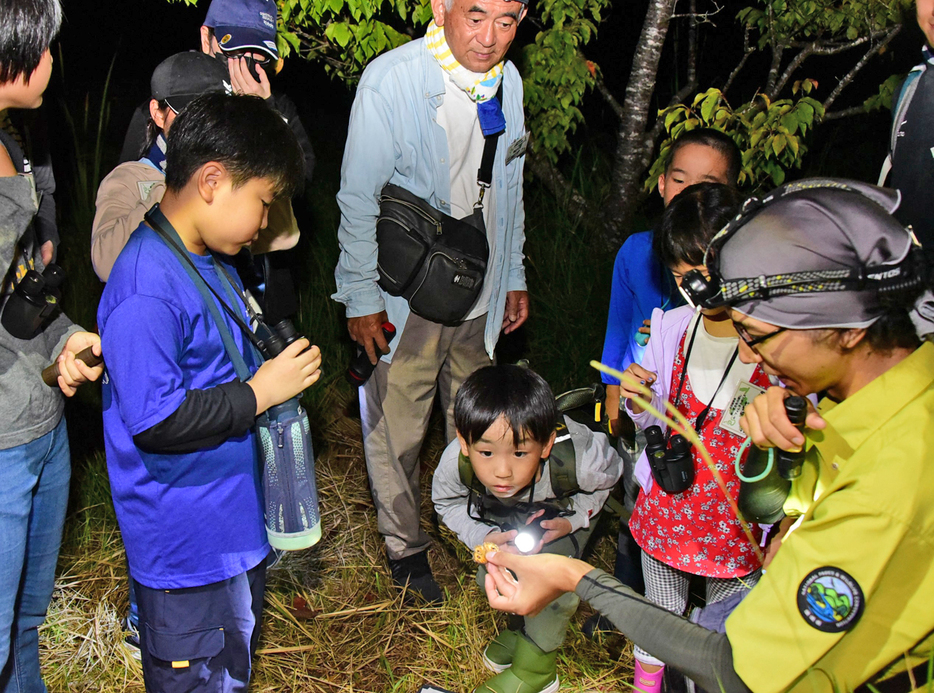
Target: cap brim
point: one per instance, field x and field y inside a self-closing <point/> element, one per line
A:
<point x="179" y="101"/>
<point x="243" y="39"/>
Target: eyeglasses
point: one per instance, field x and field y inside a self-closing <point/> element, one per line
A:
<point x="751" y="341"/>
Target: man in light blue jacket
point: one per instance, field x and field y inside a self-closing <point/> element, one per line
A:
<point x="416" y="122"/>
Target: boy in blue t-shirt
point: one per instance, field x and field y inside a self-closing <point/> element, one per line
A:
<point x="178" y="422"/>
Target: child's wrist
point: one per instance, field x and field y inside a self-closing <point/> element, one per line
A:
<point x="261" y="401"/>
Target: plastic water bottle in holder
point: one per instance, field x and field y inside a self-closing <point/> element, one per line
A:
<point x="293" y="520"/>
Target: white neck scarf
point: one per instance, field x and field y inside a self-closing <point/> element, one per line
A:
<point x="480" y="88"/>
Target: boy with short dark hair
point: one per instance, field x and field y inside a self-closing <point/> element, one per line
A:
<point x="35" y="464"/>
<point x="516" y="459"/>
<point x="177" y="421"/>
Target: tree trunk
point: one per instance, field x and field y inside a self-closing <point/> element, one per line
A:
<point x="634" y="144"/>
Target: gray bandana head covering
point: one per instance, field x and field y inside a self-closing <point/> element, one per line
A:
<point x="819" y="224"/>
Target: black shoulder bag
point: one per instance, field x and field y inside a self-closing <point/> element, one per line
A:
<point x="434" y="261"/>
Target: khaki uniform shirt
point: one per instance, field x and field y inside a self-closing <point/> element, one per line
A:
<point x="131" y="189"/>
<point x="851" y="590"/>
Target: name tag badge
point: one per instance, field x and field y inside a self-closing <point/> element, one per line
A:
<point x="743" y="395"/>
<point x="517" y="148"/>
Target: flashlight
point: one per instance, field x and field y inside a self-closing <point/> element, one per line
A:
<point x="530" y="534"/>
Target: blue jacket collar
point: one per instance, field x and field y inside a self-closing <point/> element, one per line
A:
<point x="434" y="77"/>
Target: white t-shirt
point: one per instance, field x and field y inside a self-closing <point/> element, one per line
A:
<point x="457" y="114"/>
<point x="709" y="358"/>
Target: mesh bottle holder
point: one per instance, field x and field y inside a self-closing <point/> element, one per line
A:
<point x="293" y="522"/>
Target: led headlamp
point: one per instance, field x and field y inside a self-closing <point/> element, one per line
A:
<point x="716" y="292"/>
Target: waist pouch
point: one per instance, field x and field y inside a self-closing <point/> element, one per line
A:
<point x="434" y="261"/>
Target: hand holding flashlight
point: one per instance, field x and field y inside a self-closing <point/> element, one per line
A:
<point x="544" y="527"/>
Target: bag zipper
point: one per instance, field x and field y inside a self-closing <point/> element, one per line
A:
<point x="461" y="264"/>
<point x="418" y="210"/>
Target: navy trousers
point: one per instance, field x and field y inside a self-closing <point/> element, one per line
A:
<point x="201" y="638"/>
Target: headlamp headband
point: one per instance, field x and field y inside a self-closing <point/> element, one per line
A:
<point x="716" y="293"/>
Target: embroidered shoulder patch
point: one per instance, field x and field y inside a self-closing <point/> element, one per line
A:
<point x="830" y="600"/>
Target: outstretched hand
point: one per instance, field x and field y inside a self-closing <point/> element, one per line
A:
<point x="525" y="585"/>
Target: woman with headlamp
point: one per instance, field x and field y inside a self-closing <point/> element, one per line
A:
<point x="832" y="295"/>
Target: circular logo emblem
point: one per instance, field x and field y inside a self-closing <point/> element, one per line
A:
<point x="830" y="600"/>
<point x="226" y="38"/>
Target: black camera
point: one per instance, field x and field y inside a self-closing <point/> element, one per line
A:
<point x="672" y="467"/>
<point x="252" y="64"/>
<point x="273" y="339"/>
<point x="33" y="302"/>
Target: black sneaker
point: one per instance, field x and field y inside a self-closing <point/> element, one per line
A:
<point x="413" y="575"/>
<point x="131" y="639"/>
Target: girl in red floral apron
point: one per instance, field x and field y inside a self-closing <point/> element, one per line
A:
<point x="691" y="361"/>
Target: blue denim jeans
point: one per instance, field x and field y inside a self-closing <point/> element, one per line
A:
<point x="33" y="497"/>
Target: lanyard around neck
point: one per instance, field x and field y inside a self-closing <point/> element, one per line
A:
<point x="702" y="417"/>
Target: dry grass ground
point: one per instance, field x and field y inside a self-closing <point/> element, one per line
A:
<point x="333" y="622"/>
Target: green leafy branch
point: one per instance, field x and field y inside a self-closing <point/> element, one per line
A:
<point x="770" y="134"/>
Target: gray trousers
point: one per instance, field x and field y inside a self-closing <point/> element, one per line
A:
<point x="395" y="404"/>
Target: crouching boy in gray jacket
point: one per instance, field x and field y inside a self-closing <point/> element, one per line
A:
<point x="517" y="465"/>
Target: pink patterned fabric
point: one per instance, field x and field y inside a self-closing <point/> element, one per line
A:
<point x="696" y="531"/>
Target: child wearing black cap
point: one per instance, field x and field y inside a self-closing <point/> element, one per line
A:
<point x="128" y="192"/>
<point x="241" y="35"/>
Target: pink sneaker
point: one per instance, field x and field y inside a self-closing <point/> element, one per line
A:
<point x="646" y="682"/>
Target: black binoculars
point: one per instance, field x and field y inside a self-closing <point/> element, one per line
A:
<point x="672" y="466"/>
<point x="763" y="492"/>
<point x="33" y="302"/>
<point x="273" y="339"/>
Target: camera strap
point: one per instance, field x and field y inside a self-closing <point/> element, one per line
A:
<point x="163" y="228"/>
<point x="702" y="417"/>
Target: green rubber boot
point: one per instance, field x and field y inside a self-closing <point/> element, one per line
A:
<point x="532" y="671"/>
<point x="497" y="657"/>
